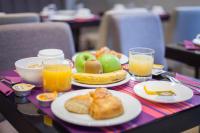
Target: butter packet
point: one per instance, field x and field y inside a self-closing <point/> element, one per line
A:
<point x="159" y="93"/>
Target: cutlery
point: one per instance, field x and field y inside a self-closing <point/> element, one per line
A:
<point x="171" y="75"/>
<point x="181" y="82"/>
<point x="174" y="80"/>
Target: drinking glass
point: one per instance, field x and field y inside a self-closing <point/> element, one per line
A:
<point x="57" y="75"/>
<point x="141" y="62"/>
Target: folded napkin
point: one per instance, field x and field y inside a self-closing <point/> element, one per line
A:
<point x="190" y="46"/>
<point x="5" y="89"/>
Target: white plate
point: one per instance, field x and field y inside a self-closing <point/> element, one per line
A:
<point x="66" y="12"/>
<point x="183" y="93"/>
<point x="122" y="60"/>
<point x="128" y="77"/>
<point x="132" y="108"/>
<point x="59" y="17"/>
<point x="90" y="16"/>
<point x="196" y="42"/>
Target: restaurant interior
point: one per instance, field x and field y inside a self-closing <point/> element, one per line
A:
<point x="93" y="66"/>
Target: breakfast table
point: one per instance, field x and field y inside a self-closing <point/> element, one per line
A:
<point x="188" y="56"/>
<point x="155" y="117"/>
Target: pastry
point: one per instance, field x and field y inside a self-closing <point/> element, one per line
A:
<point x="106" y="50"/>
<point x="99" y="93"/>
<point x="99" y="104"/>
<point x="105" y="105"/>
<point x="79" y="104"/>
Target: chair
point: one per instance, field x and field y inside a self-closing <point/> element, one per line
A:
<point x="106" y="27"/>
<point x="138" y="30"/>
<point x="19" y="18"/>
<point x="101" y="38"/>
<point x="25" y="40"/>
<point x="187" y="23"/>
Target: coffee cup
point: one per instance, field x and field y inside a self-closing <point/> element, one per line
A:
<point x="51" y="54"/>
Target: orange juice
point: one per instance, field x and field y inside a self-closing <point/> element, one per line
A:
<point x="57" y="77"/>
<point x="141" y="64"/>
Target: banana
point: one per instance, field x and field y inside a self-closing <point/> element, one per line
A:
<point x="97" y="79"/>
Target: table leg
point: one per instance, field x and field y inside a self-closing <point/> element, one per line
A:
<point x="76" y="36"/>
<point x="199" y="129"/>
<point x="197" y="72"/>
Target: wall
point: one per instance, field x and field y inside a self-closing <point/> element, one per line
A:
<point x="13" y="6"/>
<point x="169" y="5"/>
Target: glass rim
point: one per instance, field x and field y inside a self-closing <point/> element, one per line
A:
<point x="150" y="50"/>
<point x="63" y="61"/>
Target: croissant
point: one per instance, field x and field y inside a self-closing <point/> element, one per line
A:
<point x="105" y="105"/>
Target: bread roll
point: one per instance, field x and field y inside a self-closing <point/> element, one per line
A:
<point x="105" y="105"/>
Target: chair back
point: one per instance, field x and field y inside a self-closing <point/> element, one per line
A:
<point x="187" y="23"/>
<point x="142" y="29"/>
<point x="106" y="26"/>
<point x="16" y="18"/>
<point x="25" y="40"/>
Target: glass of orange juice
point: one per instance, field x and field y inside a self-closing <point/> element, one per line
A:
<point x="57" y="75"/>
<point x="141" y="62"/>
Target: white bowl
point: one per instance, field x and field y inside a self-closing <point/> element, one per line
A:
<point x="28" y="73"/>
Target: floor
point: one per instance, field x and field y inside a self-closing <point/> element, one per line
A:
<point x="193" y="130"/>
<point x="6" y="127"/>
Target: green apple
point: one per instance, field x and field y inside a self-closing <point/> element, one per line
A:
<point x="110" y="63"/>
<point x="80" y="60"/>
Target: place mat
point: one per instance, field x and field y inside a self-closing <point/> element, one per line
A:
<point x="193" y="84"/>
<point x="190" y="46"/>
<point x="150" y="111"/>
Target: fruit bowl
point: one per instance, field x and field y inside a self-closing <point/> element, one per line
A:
<point x="94" y="71"/>
<point x="123" y="59"/>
